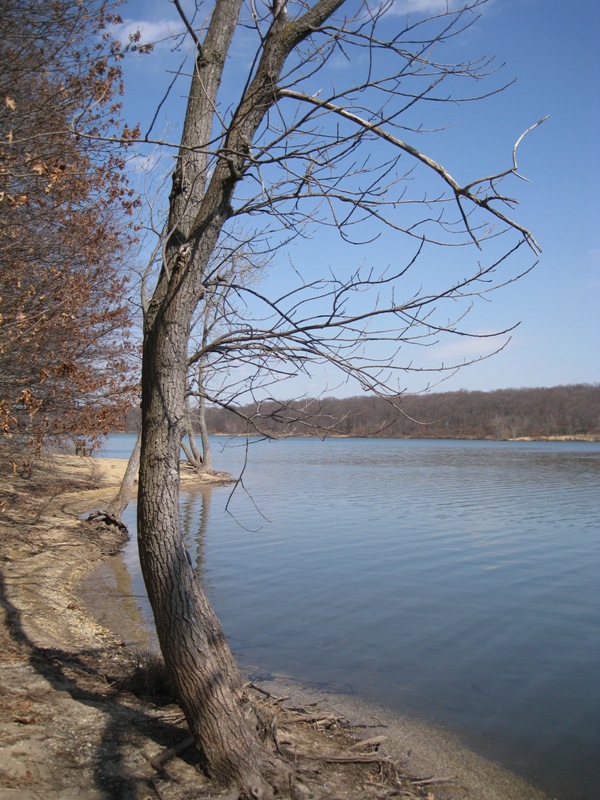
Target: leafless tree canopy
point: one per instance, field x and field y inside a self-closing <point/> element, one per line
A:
<point x="319" y="127"/>
<point x="301" y="118"/>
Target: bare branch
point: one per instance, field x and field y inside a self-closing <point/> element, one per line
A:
<point x="460" y="193"/>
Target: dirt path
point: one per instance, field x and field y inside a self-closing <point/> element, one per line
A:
<point x="76" y="721"/>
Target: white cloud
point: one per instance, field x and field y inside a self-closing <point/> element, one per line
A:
<point x="466" y="348"/>
<point x="423" y="6"/>
<point x="145" y="163"/>
<point x="152" y="32"/>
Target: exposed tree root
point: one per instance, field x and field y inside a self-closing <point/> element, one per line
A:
<point x="304" y="754"/>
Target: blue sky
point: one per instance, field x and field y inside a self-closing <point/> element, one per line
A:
<point x="552" y="51"/>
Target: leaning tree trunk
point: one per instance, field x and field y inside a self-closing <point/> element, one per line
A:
<point x="207" y="455"/>
<point x="208" y="683"/>
<point x="112" y="514"/>
<point x="123" y="497"/>
<point x="194" y="456"/>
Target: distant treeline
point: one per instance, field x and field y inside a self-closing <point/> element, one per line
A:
<point x="503" y="414"/>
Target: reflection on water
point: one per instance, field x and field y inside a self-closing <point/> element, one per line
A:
<point x="114" y="579"/>
<point x="456" y="581"/>
<point x="195" y="513"/>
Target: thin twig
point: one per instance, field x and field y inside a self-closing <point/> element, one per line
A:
<point x="158" y="760"/>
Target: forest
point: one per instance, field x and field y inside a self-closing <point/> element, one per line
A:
<point x="560" y="411"/>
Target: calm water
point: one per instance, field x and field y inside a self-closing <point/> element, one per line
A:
<point x="454" y="581"/>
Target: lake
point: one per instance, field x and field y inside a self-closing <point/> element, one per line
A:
<point x="457" y="582"/>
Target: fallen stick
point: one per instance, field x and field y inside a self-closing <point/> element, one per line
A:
<point x="357" y="758"/>
<point x="158" y="760"/>
<point x="318" y="718"/>
<point x="375" y="741"/>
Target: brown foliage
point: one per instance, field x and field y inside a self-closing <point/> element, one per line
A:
<point x="64" y="350"/>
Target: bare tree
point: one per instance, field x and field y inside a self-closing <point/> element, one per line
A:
<point x="288" y="147"/>
<point x="209" y="370"/>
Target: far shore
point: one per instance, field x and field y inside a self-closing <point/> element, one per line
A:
<point x="580" y="437"/>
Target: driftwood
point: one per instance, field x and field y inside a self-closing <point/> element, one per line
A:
<point x="346" y="758"/>
<point x="375" y="741"/>
<point x="318" y="719"/>
<point x="108" y="518"/>
<point x="159" y="760"/>
<point x="430" y="781"/>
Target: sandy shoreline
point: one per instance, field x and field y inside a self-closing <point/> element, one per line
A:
<point x="42" y="579"/>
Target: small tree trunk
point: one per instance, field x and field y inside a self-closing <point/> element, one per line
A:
<point x="202" y="424"/>
<point x="122" y="499"/>
<point x="113" y="512"/>
<point x="193" y="455"/>
<point x="196" y="454"/>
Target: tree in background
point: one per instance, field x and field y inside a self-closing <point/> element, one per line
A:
<point x="291" y="145"/>
<point x="65" y="366"/>
<point x="560" y="411"/>
<point x="210" y="375"/>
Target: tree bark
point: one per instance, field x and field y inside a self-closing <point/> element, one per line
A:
<point x="123" y="497"/>
<point x="208" y="683"/>
<point x="112" y="514"/>
<point x="193" y="455"/>
<point x="206" y="451"/>
<point x="201" y="460"/>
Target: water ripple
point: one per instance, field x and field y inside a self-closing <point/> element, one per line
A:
<point x="454" y="580"/>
